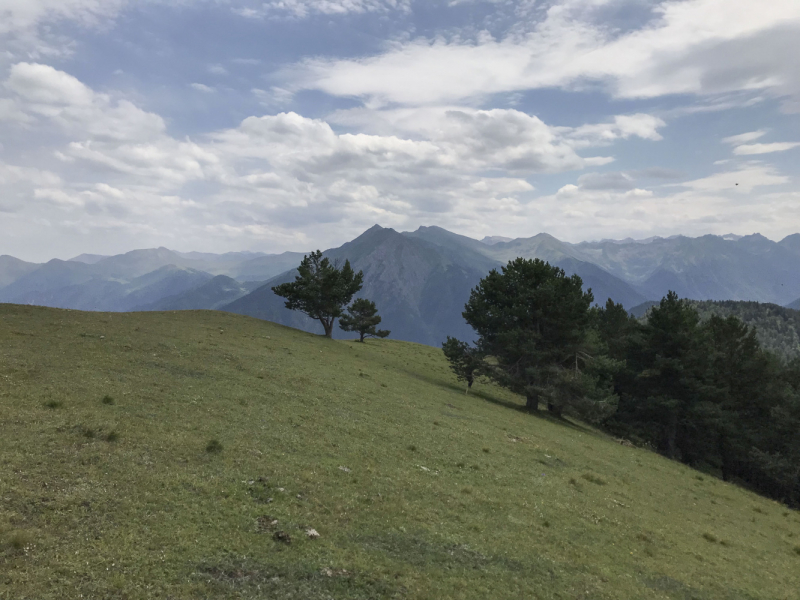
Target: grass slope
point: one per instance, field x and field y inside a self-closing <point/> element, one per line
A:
<point x="110" y="487"/>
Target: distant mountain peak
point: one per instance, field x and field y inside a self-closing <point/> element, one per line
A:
<point x="491" y="240"/>
<point x="88" y="259"/>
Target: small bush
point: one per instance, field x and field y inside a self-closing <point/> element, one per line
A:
<point x="486" y="450"/>
<point x="709" y="537"/>
<point x="545" y="523"/>
<point x="797" y="550"/>
<point x="412" y="448"/>
<point x="53" y="404"/>
<point x="89" y="433"/>
<point x="214" y="447"/>
<point x="107" y="400"/>
<point x="112" y="436"/>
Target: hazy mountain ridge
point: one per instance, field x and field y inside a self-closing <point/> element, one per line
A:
<point x="419" y="279"/>
<point x="417" y="286"/>
<point x="211" y="295"/>
<point x="129" y="281"/>
<point x="80" y="289"/>
<point x="705" y="268"/>
<point x="12" y="269"/>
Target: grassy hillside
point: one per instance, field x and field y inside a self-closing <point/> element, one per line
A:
<point x="111" y="486"/>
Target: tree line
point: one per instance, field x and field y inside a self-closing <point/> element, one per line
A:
<point x="705" y="393"/>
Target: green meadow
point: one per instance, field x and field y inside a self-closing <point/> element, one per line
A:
<point x="190" y="454"/>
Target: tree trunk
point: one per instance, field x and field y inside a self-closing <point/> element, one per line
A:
<point x="362" y="336"/>
<point x="725" y="456"/>
<point x="671" y="435"/>
<point x="555" y="409"/>
<point x="328" y="326"/>
<point x="532" y="402"/>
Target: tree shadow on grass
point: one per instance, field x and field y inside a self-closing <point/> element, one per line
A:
<point x="484" y="394"/>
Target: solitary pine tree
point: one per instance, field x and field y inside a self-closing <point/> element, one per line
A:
<point x="321" y="289"/>
<point x="363" y="317"/>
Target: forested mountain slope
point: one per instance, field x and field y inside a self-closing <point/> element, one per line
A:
<point x="777" y="327"/>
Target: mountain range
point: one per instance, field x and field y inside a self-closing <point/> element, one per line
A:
<point x="420" y="280"/>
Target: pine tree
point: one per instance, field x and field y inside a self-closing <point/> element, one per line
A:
<point x="739" y="392"/>
<point x="363" y="317"/>
<point x="321" y="289"/>
<point x="532" y="320"/>
<point x="670" y="364"/>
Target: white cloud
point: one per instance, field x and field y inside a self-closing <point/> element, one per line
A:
<point x="26" y="14"/>
<point x="744" y="180"/>
<point x="623" y="127"/>
<point x="10" y="111"/>
<point x="274" y="97"/>
<point x="750" y="149"/>
<point x="606" y="181"/>
<point x="42" y="84"/>
<point x="689" y="46"/>
<point x="291" y="171"/>
<point x="743" y="138"/>
<point x="502" y="138"/>
<point x="42" y="92"/>
<point x="201" y="87"/>
<point x="284" y="180"/>
<point x="304" y="8"/>
<point x="12" y="175"/>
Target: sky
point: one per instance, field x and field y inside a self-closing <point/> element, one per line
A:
<point x="274" y="125"/>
